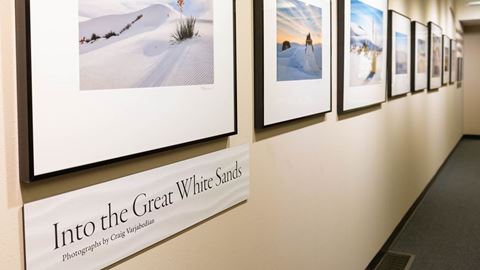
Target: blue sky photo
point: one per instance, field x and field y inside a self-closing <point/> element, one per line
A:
<point x="401" y="40"/>
<point x="366" y="24"/>
<point x="295" y="20"/>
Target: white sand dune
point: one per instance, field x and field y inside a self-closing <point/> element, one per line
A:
<point x="361" y="67"/>
<point x="144" y="55"/>
<point x="83" y="19"/>
<point x="290" y="63"/>
<point x="153" y="17"/>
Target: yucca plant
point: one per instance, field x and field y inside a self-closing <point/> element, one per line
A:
<point x="110" y="34"/>
<point x="185" y="30"/>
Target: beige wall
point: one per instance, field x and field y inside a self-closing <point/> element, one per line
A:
<point x="471" y="51"/>
<point x="466" y="12"/>
<point x="325" y="193"/>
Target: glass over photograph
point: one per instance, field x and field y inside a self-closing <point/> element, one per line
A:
<point x="366" y="44"/>
<point x="401" y="53"/>
<point x="436" y="56"/>
<point x="150" y="43"/>
<point x="299" y="41"/>
<point x="422" y="56"/>
<point x="446" y="52"/>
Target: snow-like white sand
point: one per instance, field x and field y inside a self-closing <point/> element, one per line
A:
<point x="361" y="67"/>
<point x="144" y="55"/>
<point x="290" y="63"/>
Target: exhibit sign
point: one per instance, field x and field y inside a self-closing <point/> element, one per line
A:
<point x="435" y="64"/>
<point x="399" y="54"/>
<point x="292" y="60"/>
<point x="419" y="56"/>
<point x="113" y="80"/>
<point x="97" y="226"/>
<point x="362" y="53"/>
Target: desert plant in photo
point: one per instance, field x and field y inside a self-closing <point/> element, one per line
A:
<point x="94" y="37"/>
<point x="185" y="30"/>
<point x="110" y="34"/>
<point x="138" y="18"/>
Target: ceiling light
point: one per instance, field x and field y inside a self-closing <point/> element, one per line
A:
<point x="474" y="3"/>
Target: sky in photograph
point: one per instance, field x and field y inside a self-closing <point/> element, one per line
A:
<point x="95" y="8"/>
<point x="367" y="20"/>
<point x="401" y="42"/>
<point x="295" y="19"/>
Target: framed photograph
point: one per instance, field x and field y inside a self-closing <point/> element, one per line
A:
<point x="362" y="53"/>
<point x="447" y="64"/>
<point x="460" y="72"/>
<point x="419" y="56"/>
<point x="292" y="60"/>
<point x="113" y="80"/>
<point x="435" y="56"/>
<point x="399" y="54"/>
<point x="453" y="71"/>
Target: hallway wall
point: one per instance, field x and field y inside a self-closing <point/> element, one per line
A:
<point x="472" y="80"/>
<point x="321" y="188"/>
<point x="466" y="12"/>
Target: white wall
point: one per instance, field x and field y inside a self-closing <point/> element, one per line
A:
<point x="325" y="194"/>
<point x="471" y="82"/>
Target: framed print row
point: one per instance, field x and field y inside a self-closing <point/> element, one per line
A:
<point x="119" y="80"/>
<point x="381" y="49"/>
<point x="130" y="78"/>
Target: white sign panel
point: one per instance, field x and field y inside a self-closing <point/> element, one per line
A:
<point x="96" y="226"/>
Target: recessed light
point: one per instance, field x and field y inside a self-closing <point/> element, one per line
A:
<point x="473" y="3"/>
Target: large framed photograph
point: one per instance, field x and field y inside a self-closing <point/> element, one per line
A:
<point x="419" y="56"/>
<point x="112" y="80"/>
<point x="447" y="65"/>
<point x="399" y="54"/>
<point x="435" y="56"/>
<point x="453" y="71"/>
<point x="362" y="53"/>
<point x="292" y="60"/>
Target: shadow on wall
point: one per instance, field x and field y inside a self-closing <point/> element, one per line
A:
<point x="287" y="127"/>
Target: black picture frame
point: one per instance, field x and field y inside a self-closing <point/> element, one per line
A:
<point x="432" y="83"/>
<point x="446" y="77"/>
<point x="259" y="70"/>
<point x="415" y="30"/>
<point x="341" y="15"/>
<point x="25" y="103"/>
<point x="390" y="59"/>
